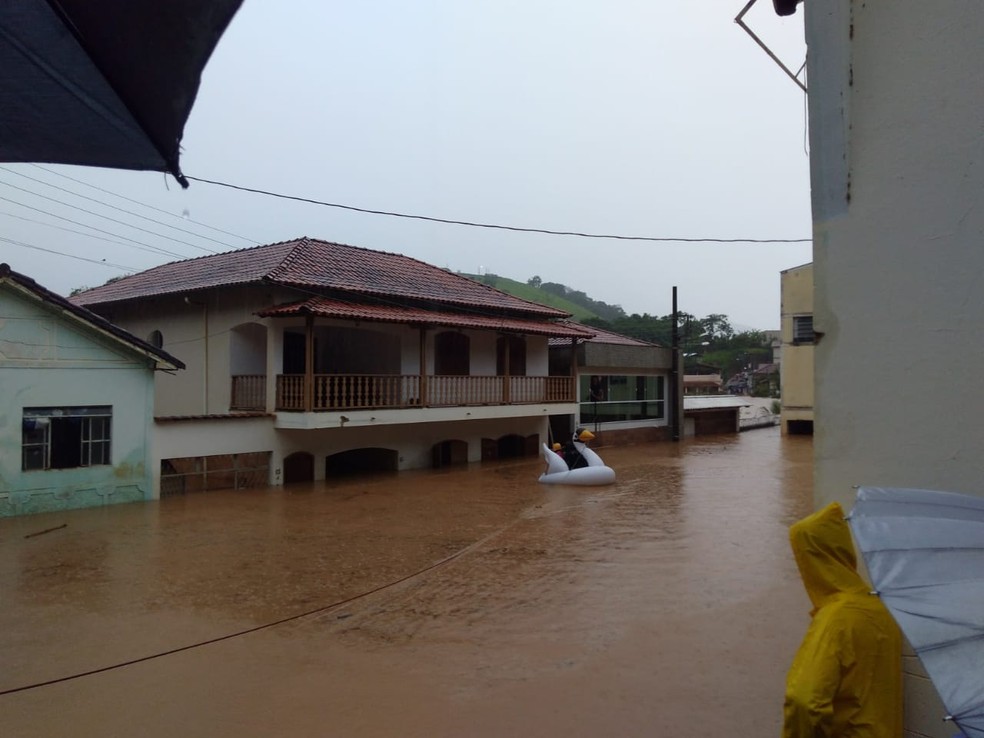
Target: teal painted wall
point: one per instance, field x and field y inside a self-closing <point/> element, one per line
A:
<point x="48" y="360"/>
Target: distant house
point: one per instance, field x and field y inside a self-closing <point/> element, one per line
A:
<point x="796" y="370"/>
<point x="702" y="384"/>
<point x="307" y="360"/>
<point x="78" y="404"/>
<point x="623" y="387"/>
<point x="712" y="414"/>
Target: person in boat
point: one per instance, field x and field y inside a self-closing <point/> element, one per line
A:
<point x="572" y="453"/>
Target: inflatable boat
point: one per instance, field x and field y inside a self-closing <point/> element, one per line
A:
<point x="594" y="473"/>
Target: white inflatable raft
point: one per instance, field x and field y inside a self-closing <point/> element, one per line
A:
<point x="594" y="474"/>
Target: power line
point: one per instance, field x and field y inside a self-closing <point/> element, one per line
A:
<point x="519" y="229"/>
<point x="121" y="210"/>
<point x="267" y="626"/>
<point x="131" y="243"/>
<point x="62" y="228"/>
<point x="144" y="205"/>
<point x="70" y="256"/>
<point x="106" y="217"/>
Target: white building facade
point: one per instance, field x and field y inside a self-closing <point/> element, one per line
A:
<point x="289" y="384"/>
<point x="898" y="206"/>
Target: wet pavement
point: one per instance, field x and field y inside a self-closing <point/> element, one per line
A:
<point x="468" y="602"/>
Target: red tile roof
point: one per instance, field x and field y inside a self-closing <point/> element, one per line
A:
<point x="324" y="307"/>
<point x="316" y="266"/>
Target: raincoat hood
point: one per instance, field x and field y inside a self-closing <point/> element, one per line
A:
<point x="825" y="556"/>
<point x="846" y="678"/>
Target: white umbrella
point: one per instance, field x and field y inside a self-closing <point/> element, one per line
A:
<point x="925" y="554"/>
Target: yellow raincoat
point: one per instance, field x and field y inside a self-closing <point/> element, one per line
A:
<point x="846" y="678"/>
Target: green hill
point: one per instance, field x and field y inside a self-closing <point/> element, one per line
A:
<point x="533" y="294"/>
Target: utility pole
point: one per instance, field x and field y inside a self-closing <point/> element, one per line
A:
<point x="675" y="371"/>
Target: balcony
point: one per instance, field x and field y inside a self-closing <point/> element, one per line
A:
<point x="377" y="391"/>
<point x="248" y="392"/>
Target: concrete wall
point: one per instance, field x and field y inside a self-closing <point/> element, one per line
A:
<point x="796" y="369"/>
<point x="896" y="163"/>
<point x="413" y="442"/>
<point x="46" y="361"/>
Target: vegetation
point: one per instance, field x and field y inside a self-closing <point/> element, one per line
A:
<point x="527" y="291"/>
<point x="710" y="341"/>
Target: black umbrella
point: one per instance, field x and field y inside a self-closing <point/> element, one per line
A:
<point x="106" y="83"/>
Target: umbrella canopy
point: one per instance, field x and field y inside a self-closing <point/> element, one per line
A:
<point x="925" y="555"/>
<point x="108" y="83"/>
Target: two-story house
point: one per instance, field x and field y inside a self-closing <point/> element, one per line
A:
<point x="307" y="359"/>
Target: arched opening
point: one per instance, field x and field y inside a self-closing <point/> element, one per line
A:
<point x="451" y="354"/>
<point x="156" y="339"/>
<point x="449" y="453"/>
<point x="361" y="461"/>
<point x="511" y="447"/>
<point x="299" y="467"/>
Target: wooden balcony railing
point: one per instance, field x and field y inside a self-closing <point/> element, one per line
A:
<point x="248" y="392"/>
<point x="371" y="391"/>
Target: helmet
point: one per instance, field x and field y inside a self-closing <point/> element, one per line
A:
<point x="557" y="447"/>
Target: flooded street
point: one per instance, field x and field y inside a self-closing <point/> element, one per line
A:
<point x="468" y="602"/>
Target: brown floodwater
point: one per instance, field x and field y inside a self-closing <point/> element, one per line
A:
<point x="467" y="602"/>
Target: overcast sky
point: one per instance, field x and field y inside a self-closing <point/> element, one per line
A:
<point x="658" y="118"/>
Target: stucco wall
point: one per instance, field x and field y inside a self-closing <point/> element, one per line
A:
<point x="898" y="255"/>
<point x="218" y="314"/>
<point x="796" y="369"/>
<point x="47" y="362"/>
<point x="414" y="442"/>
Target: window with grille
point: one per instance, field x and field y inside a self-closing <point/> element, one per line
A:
<point x="66" y="437"/>
<point x="802" y="329"/>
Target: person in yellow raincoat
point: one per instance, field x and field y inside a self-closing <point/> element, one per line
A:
<point x="846" y="678"/>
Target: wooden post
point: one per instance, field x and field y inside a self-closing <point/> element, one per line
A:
<point x="574" y="369"/>
<point x="422" y="400"/>
<point x="676" y="389"/>
<point x="309" y="363"/>
<point x="505" y="370"/>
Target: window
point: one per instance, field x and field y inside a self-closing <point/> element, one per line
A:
<point x="802" y="329"/>
<point x="619" y="397"/>
<point x="66" y="437"/>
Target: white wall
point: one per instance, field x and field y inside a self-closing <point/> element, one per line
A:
<point x="217" y="314"/>
<point x="899" y="256"/>
<point x="46" y="361"/>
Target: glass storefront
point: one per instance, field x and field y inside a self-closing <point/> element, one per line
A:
<point x="612" y="398"/>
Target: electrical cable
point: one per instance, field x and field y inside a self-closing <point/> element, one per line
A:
<point x="145" y="205"/>
<point x="264" y="626"/>
<point x="62" y="228"/>
<point x="122" y="210"/>
<point x="131" y="243"/>
<point x="519" y="229"/>
<point x="106" y="217"/>
<point x="324" y="608"/>
<point x="70" y="256"/>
